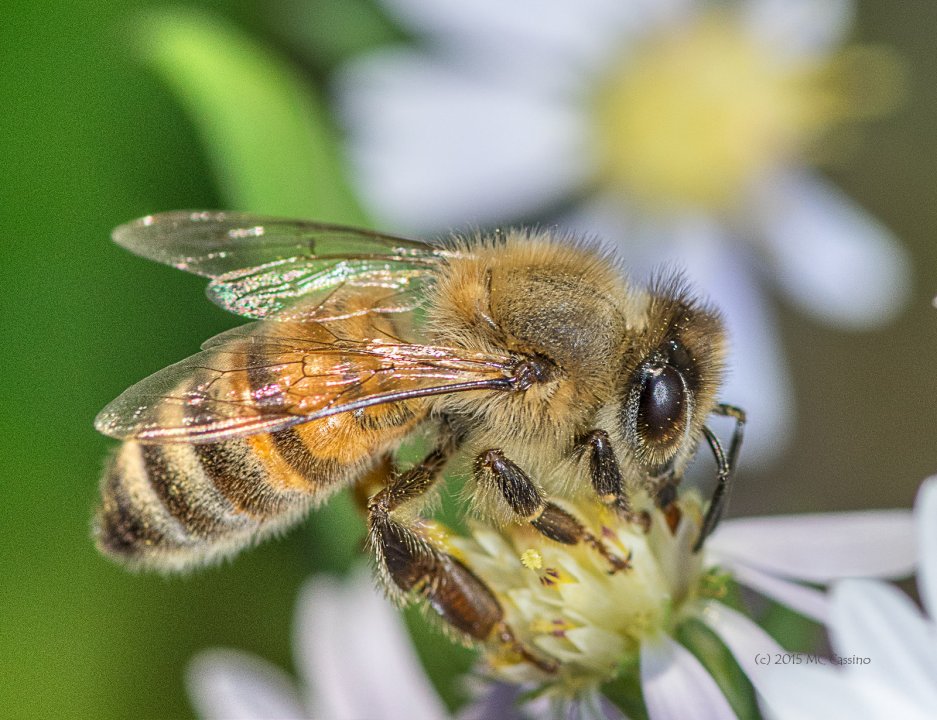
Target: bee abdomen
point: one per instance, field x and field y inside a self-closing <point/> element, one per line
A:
<point x="175" y="505"/>
<point x="133" y="522"/>
<point x="171" y="506"/>
<point x="246" y="475"/>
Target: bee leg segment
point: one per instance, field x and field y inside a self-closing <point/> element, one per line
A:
<point x="412" y="565"/>
<point x="492" y="468"/>
<point x="410" y="485"/>
<point x="726" y="466"/>
<point x="665" y="498"/>
<point x="737" y="414"/>
<point x="605" y="474"/>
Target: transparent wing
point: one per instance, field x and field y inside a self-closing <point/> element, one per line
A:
<point x="264" y="267"/>
<point x="215" y="243"/>
<point x="320" y="289"/>
<point x="268" y="376"/>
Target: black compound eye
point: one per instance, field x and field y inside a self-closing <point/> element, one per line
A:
<point x="678" y="355"/>
<point x="662" y="405"/>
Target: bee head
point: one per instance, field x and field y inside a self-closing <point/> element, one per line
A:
<point x="670" y="377"/>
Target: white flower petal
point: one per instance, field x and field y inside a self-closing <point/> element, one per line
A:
<point x="833" y="259"/>
<point x="556" y="31"/>
<point x="925" y="513"/>
<point x="431" y="145"/>
<point x="356" y="656"/>
<point x="489" y="699"/>
<point x="756" y="374"/>
<point x="388" y="667"/>
<point x="589" y="706"/>
<point x="676" y="686"/>
<point x="821" y="547"/>
<point x="320" y="632"/>
<point x="802" y="693"/>
<point x="719" y="271"/>
<point x="232" y="685"/>
<point x="799" y="29"/>
<point x="749" y="644"/>
<point x="876" y="621"/>
<point x="807" y="601"/>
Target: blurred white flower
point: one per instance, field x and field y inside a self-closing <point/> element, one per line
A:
<point x="767" y="553"/>
<point x="885" y="649"/>
<point x="353" y="653"/>
<point x="682" y="130"/>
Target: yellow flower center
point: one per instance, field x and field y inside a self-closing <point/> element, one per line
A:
<point x="532" y="559"/>
<point x="695" y="114"/>
<point x="566" y="602"/>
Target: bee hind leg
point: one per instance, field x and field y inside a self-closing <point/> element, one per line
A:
<point x="492" y="468"/>
<point x="411" y="564"/>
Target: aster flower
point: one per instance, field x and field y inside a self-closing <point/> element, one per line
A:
<point x="885" y="651"/>
<point x="354" y="655"/>
<point x="562" y="603"/>
<point x="684" y="130"/>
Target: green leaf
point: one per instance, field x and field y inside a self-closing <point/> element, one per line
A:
<point x="719" y="662"/>
<point x="792" y="631"/>
<point x="267" y="136"/>
<point x="624" y="691"/>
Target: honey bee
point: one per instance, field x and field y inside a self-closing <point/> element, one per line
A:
<point x="529" y="354"/>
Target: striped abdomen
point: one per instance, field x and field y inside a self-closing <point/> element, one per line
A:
<point x="174" y="505"/>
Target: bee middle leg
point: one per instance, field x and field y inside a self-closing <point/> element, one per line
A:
<point x="492" y="468"/>
<point x="411" y="564"/>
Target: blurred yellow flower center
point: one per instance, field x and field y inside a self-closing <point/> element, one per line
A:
<point x="695" y="114"/>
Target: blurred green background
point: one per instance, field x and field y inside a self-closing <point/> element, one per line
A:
<point x="92" y="138"/>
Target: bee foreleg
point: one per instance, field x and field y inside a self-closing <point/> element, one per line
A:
<point x="726" y="463"/>
<point x="735" y="444"/>
<point x="492" y="468"/>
